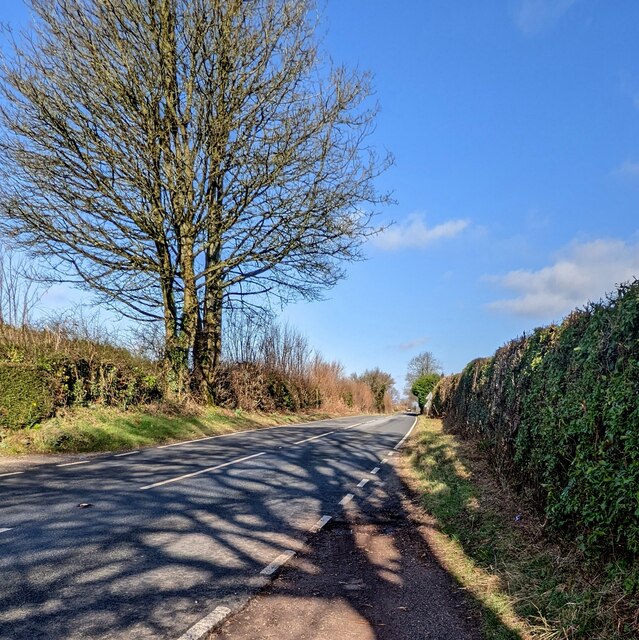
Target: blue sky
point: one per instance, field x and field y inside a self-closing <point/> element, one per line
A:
<point x="515" y="128"/>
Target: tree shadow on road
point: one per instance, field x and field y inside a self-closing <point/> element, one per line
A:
<point x="150" y="563"/>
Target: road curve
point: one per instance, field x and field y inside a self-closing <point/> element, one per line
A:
<point x="147" y="544"/>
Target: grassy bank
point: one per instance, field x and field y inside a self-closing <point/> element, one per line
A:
<point x="530" y="587"/>
<point x="97" y="428"/>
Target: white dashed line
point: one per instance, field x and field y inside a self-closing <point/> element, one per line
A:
<point x="321" y="435"/>
<point x="391" y="453"/>
<point x="384" y="461"/>
<point x="13" y="473"/>
<point x="201" y="471"/>
<point x="362" y="482"/>
<point x="319" y="525"/>
<point x="5" y="529"/>
<point x="277" y="563"/>
<point x="72" y="464"/>
<point x="198" y="630"/>
<point x="375" y="470"/>
<point x="128" y="453"/>
<point x="346" y="499"/>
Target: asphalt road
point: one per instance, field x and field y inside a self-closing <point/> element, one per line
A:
<point x="173" y="532"/>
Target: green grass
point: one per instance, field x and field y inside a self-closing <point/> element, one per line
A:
<point x="530" y="587"/>
<point x="98" y="428"/>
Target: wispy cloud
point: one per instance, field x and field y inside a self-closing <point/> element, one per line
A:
<point x="535" y="16"/>
<point x="411" y="344"/>
<point x="414" y="232"/>
<point x="581" y="273"/>
<point x="628" y="169"/>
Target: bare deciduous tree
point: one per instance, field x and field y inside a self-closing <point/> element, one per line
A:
<point x="20" y="291"/>
<point x="181" y="157"/>
<point x="421" y="365"/>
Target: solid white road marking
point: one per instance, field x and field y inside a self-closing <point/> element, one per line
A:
<point x="362" y="482"/>
<point x="128" y="453"/>
<point x="13" y="473"/>
<point x="401" y="442"/>
<point x="71" y="464"/>
<point x="207" y="623"/>
<point x="346" y="499"/>
<point x="375" y="470"/>
<point x="197" y="473"/>
<point x="320" y="524"/>
<point x="321" y="435"/>
<point x="5" y="529"/>
<point x="277" y="563"/>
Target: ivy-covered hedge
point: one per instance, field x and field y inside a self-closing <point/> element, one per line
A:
<point x="27" y="395"/>
<point x="560" y="411"/>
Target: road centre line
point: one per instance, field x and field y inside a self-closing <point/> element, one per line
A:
<point x="71" y="464"/>
<point x="201" y="471"/>
<point x="375" y="470"/>
<point x="128" y="453"/>
<point x="362" y="482"/>
<point x="235" y="433"/>
<point x="401" y="442"/>
<point x="277" y="563"/>
<point x="321" y="435"/>
<point x="13" y="473"/>
<point x="346" y="499"/>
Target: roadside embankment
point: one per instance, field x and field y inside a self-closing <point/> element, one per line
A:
<point x="97" y="428"/>
<point x="531" y="586"/>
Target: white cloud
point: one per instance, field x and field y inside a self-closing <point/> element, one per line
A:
<point x="414" y="232"/>
<point x="582" y="272"/>
<point x="534" y="16"/>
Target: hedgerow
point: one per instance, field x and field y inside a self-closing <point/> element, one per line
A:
<point x="560" y="411"/>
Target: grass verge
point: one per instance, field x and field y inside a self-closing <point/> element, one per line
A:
<point x="98" y="428"/>
<point x="530" y="587"/>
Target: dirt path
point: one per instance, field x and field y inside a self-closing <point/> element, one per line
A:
<point x="368" y="575"/>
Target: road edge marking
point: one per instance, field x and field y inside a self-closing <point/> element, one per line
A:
<point x="206" y="624"/>
<point x="320" y="524"/>
<point x="281" y="560"/>
<point x="401" y="442"/>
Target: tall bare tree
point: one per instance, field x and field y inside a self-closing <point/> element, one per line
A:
<point x="20" y="290"/>
<point x="422" y="364"/>
<point x="183" y="157"/>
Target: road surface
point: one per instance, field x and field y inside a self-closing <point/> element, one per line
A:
<point x="148" y="544"/>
